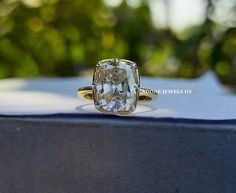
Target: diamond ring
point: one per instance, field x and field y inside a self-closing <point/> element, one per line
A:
<point x="116" y="87"/>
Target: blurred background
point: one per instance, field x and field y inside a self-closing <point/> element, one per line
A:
<point x="167" y="38"/>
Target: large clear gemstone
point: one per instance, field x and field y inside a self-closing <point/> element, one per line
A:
<point x="115" y="86"/>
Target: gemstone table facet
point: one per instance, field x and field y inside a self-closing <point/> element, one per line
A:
<point x="115" y="86"/>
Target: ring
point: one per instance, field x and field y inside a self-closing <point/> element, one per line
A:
<point x="116" y="87"/>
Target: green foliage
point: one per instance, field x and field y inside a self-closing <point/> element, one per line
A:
<point x="65" y="38"/>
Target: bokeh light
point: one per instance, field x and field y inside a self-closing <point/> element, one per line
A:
<point x="172" y="38"/>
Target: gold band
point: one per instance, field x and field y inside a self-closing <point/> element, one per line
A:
<point x="144" y="94"/>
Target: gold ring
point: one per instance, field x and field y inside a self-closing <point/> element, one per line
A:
<point x="116" y="87"/>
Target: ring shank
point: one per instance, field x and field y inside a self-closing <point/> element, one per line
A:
<point x="145" y="94"/>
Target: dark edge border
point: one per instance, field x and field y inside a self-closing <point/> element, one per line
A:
<point x="125" y="118"/>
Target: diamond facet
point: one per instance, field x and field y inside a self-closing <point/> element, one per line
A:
<point x="115" y="86"/>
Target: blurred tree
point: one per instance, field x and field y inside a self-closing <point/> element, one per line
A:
<point x="64" y="38"/>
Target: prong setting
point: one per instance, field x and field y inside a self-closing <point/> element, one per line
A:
<point x="115" y="85"/>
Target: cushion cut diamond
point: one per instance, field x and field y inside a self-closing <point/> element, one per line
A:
<point x="115" y="86"/>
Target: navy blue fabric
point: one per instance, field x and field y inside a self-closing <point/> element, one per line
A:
<point x="80" y="153"/>
<point x="102" y="116"/>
